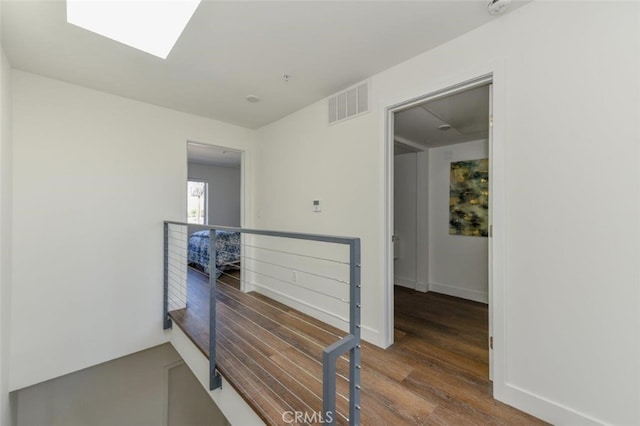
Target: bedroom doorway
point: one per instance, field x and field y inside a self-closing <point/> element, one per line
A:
<point x="440" y="252"/>
<point x="215" y="197"/>
<point x="214" y="185"/>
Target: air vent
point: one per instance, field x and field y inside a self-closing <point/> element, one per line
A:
<point x="349" y="103"/>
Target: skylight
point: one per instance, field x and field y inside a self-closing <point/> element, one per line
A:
<point x="152" y="26"/>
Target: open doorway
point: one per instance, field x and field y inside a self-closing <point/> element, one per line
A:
<point x="214" y="198"/>
<point x="441" y="221"/>
<point x="213" y="185"/>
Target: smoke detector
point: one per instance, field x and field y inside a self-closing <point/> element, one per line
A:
<point x="498" y="7"/>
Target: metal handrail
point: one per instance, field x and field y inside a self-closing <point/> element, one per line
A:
<point x="331" y="353"/>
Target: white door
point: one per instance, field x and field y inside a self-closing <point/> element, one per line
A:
<point x="405" y="220"/>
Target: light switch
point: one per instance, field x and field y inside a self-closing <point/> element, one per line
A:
<point x="316" y="206"/>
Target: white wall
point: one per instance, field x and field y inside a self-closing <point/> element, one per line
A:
<point x="302" y="159"/>
<point x="148" y="388"/>
<point x="567" y="104"/>
<point x="94" y="176"/>
<point x="224" y="192"/>
<point x="457" y="263"/>
<point x="405" y="220"/>
<point x="5" y="233"/>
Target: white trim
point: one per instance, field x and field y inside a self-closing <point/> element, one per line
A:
<point x="497" y="219"/>
<point x="544" y="408"/>
<point x="422" y="287"/>
<point x="368" y="334"/>
<point x="388" y="229"/>
<point x="245" y="197"/>
<point x="490" y="239"/>
<point x="445" y="89"/>
<point x="243" y="173"/>
<point x="409" y="143"/>
<point x="463" y="293"/>
<point x="327" y="316"/>
<point x="405" y="282"/>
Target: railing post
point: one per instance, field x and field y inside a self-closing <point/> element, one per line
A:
<point x="350" y="343"/>
<point x="166" y="321"/>
<point x="215" y="380"/>
<point x="330" y="356"/>
<point x="354" y="329"/>
<point x="328" y="387"/>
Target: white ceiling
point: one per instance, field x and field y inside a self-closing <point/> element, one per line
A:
<point x="214" y="156"/>
<point x="466" y="112"/>
<point x="232" y="49"/>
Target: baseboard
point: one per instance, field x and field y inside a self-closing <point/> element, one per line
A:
<point x="405" y="282"/>
<point x="412" y="284"/>
<point x="541" y="407"/>
<point x="476" y="296"/>
<point x="422" y="286"/>
<point x="367" y="334"/>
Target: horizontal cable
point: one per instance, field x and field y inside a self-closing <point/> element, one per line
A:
<point x="297" y="270"/>
<point x="309" y="305"/>
<point x="284" y="341"/>
<point x="176" y="297"/>
<point x="297" y="254"/>
<point x="286" y="313"/>
<point x="232" y="344"/>
<point x="268" y="359"/>
<point x="227" y="350"/>
<point x="276" y="350"/>
<point x="296" y="285"/>
<point x="281" y="325"/>
<point x="258" y="392"/>
<point x="228" y="275"/>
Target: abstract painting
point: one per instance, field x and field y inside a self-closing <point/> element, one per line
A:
<point x="469" y="198"/>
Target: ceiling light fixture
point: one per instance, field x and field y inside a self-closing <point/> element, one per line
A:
<point x="444" y="127"/>
<point x="498" y="7"/>
<point x="149" y="25"/>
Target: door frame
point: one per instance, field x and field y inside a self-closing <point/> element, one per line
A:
<point x="496" y="212"/>
<point x="243" y="178"/>
<point x="244" y="198"/>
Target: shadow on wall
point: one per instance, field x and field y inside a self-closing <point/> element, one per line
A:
<point x="152" y="387"/>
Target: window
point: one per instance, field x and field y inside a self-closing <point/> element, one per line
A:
<point x="197" y="202"/>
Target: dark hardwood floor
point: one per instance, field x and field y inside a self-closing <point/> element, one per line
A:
<point x="436" y="373"/>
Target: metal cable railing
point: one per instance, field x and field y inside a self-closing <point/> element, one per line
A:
<point x="317" y="274"/>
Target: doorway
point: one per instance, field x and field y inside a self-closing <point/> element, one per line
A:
<point x="214" y="185"/>
<point x="215" y="197"/>
<point x="435" y="247"/>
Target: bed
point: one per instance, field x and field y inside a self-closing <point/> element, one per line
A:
<point x="227" y="250"/>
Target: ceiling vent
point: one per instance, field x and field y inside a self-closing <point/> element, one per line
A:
<point x="349" y="103"/>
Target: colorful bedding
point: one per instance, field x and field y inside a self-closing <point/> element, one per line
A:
<point x="227" y="250"/>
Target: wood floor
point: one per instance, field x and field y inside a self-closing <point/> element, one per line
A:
<point x="436" y="373"/>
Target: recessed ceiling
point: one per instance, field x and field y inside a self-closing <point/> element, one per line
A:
<point x="231" y="49"/>
<point x="467" y="114"/>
